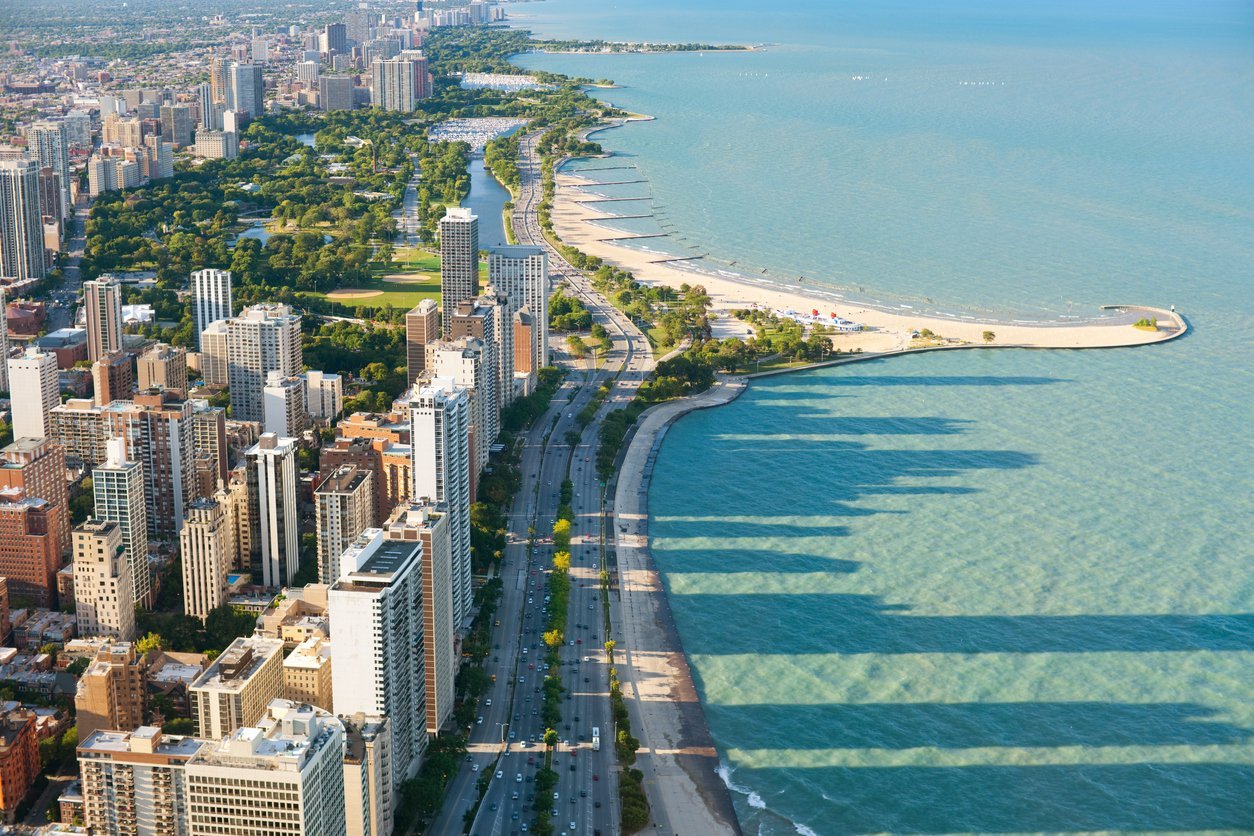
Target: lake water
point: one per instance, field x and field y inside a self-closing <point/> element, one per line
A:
<point x="972" y="592"/>
<point x="487" y="199"/>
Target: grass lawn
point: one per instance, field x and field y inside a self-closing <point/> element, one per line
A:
<point x="424" y="268"/>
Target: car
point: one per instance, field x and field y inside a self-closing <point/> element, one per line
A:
<point x="524" y="827"/>
<point x="531" y="666"/>
<point x="479" y="720"/>
<point x="596" y="804"/>
<point x="518" y="778"/>
<point x="474" y="767"/>
<point x="514" y="816"/>
<point x="522" y="679"/>
<point x="583" y="793"/>
<point x="516" y="718"/>
<point x="513" y="735"/>
<point x="493" y="807"/>
<point x="572" y="825"/>
<point x="554" y="812"/>
<point x="572" y="769"/>
<point x="596" y="777"/>
<point x="500" y="773"/>
<point x="576" y="718"/>
<point x="469" y="758"/>
<point x="556" y="796"/>
<point x="587" y="679"/>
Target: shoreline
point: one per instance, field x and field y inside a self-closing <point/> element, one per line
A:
<point x="677" y="755"/>
<point x="888" y="325"/>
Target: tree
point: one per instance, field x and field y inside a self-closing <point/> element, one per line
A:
<point x="989" y="336"/>
<point x="550" y="737"/>
<point x="553" y="638"/>
<point x="561" y="561"/>
<point x="149" y="643"/>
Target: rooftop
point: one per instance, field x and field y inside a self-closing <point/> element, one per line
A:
<point x="145" y="740"/>
<point x="232" y="670"/>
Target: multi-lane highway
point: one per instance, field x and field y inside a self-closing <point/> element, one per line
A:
<point x="507" y="741"/>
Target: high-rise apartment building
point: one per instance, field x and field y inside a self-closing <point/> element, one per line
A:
<point x="522" y="274"/>
<point x="21" y="225"/>
<point x="113" y="378"/>
<point x="262" y="339"/>
<point x="334" y="39"/>
<point x="247" y="92"/>
<point x="377" y="609"/>
<point x="111" y="691"/>
<point x="37" y="466"/>
<point x="163" y="367"/>
<point x="283" y="405"/>
<point x="104" y="604"/>
<point x="118" y="494"/>
<point x="234" y="691"/>
<point x="344" y="505"/>
<point x="78" y="426"/>
<point x="481" y="319"/>
<point x="307" y="73"/>
<point x="335" y="92"/>
<point x="134" y="781"/>
<point x="324" y="395"/>
<point x="176" y="124"/>
<point x="400" y="82"/>
<point x="211" y="298"/>
<point x="440" y="440"/>
<point x="102" y="299"/>
<point x="272" y="510"/>
<point x="34" y="375"/>
<point x="284" y="775"/>
<point x="209" y="434"/>
<point x="422" y="326"/>
<point x="51" y="141"/>
<point x="19" y="760"/>
<point x="205" y="547"/>
<point x="214" y="350"/>
<point x="4" y="344"/>
<point x="430" y="527"/>
<point x="30" y="545"/>
<point x="459" y="261"/>
<point x="466" y="363"/>
<point x="389" y="462"/>
<point x="368" y="800"/>
<point x="157" y="429"/>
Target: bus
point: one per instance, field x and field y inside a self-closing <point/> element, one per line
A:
<point x="596" y="739"/>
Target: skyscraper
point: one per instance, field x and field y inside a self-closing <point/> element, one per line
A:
<point x="204" y="545"/>
<point x="283" y="405"/>
<point x="344" y="505"/>
<point x="466" y="362"/>
<point x="431" y="527"/>
<point x="440" y="441"/>
<point x="324" y="395"/>
<point x="459" y="261"/>
<point x="334" y="39"/>
<point x="262" y="339"/>
<point x="176" y="124"/>
<point x="421" y="327"/>
<point x="211" y="298"/>
<point x="247" y="91"/>
<point x="400" y="82"/>
<point x="21" y="227"/>
<point x="102" y="299"/>
<point x="522" y="274"/>
<point x="118" y="491"/>
<point x="103" y="601"/>
<point x="52" y="143"/>
<point x="335" y="92"/>
<point x="111" y="692"/>
<point x="204" y="99"/>
<point x="377" y="609"/>
<point x="157" y="428"/>
<point x="214" y="349"/>
<point x="272" y="510"/>
<point x="35" y="375"/>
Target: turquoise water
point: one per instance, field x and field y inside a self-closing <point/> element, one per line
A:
<point x="972" y="592"/>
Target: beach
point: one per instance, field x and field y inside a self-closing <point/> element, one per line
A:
<point x="886" y="328"/>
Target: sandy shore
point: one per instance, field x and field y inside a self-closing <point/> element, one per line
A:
<point x="888" y="328"/>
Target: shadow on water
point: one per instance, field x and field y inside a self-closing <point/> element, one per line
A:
<point x="1004" y="799"/>
<point x="863" y="624"/>
<point x="746" y="560"/>
<point x="976" y="725"/>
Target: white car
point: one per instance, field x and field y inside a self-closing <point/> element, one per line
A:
<point x="500" y="773"/>
<point x="474" y="767"/>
